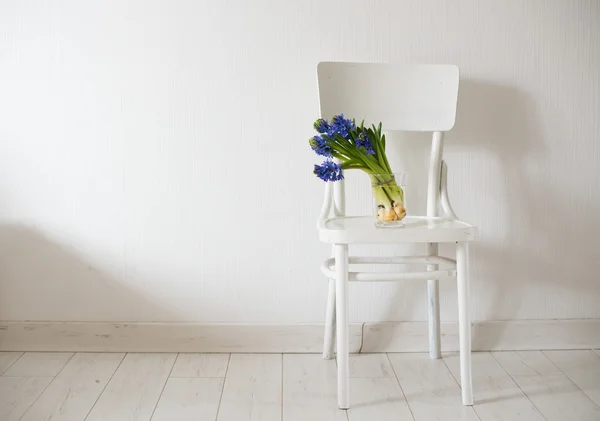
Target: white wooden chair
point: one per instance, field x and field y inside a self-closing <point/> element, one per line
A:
<point x="408" y="98"/>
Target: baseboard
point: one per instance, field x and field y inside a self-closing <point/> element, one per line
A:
<point x="165" y="337"/>
<point x="368" y="337"/>
<point x="486" y="336"/>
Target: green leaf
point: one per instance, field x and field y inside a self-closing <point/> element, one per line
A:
<point x="379" y="152"/>
<point x="354" y="164"/>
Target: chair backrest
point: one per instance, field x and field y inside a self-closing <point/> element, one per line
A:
<point x="401" y="97"/>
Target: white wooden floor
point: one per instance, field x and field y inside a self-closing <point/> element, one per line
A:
<point x="512" y="386"/>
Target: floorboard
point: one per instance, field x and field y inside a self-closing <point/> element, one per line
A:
<point x="18" y="393"/>
<point x="497" y="397"/>
<point x="252" y="388"/>
<point x="310" y="388"/>
<point x="370" y="365"/>
<point x="189" y="399"/>
<point x="134" y="390"/>
<point x="200" y="365"/>
<point x="39" y="364"/>
<point x="378" y="399"/>
<point x="431" y="391"/>
<point x="582" y="367"/>
<point x="551" y="391"/>
<point x="72" y="394"/>
<point x="7" y="359"/>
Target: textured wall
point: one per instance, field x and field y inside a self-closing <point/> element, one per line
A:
<point x="154" y="163"/>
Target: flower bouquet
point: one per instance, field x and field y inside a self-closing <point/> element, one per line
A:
<point x="362" y="148"/>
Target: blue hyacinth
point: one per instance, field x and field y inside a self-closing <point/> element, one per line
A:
<point x="321" y="126"/>
<point x="363" y="141"/>
<point x="320" y="146"/>
<point x="329" y="171"/>
<point x="342" y="126"/>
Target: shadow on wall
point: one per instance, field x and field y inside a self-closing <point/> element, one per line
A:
<point x="547" y="242"/>
<point x="45" y="276"/>
<point x="544" y="245"/>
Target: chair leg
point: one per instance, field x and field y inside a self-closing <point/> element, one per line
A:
<point x="329" y="322"/>
<point x="341" y="312"/>
<point x="464" y="321"/>
<point x="433" y="308"/>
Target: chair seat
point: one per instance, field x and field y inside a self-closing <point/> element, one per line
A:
<point x="416" y="229"/>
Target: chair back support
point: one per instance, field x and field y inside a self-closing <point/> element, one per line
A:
<point x="401" y="97"/>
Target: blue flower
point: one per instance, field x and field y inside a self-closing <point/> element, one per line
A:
<point x="341" y="126"/>
<point x="321" y="125"/>
<point x="320" y="146"/>
<point x="329" y="171"/>
<point x="363" y="141"/>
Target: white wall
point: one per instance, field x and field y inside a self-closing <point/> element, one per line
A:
<point x="154" y="163"/>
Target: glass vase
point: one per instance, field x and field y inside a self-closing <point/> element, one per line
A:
<point x="388" y="198"/>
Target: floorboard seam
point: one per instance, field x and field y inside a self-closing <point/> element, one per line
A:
<point x="399" y="384"/>
<point x="522" y="391"/>
<point x="460" y="387"/>
<point x="567" y="376"/>
<point x="47" y="386"/>
<point x="13" y="363"/>
<point x="164" y="386"/>
<point x="223" y="387"/>
<point x="105" y="386"/>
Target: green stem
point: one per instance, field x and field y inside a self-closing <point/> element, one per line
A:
<point x="389" y="197"/>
